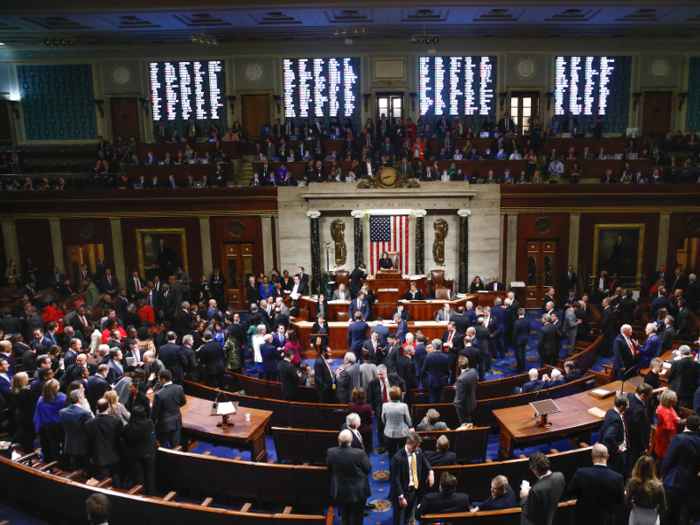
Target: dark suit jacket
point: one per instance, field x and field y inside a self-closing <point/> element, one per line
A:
<point x="683" y="377"/>
<point x="597" y="490"/>
<point x="540" y="505"/>
<point x="399" y="472"/>
<point x="638" y="424"/>
<point x="357" y="334"/>
<point x="323" y="379"/>
<point x="253" y="293"/>
<point x="97" y="386"/>
<point x="289" y="378"/>
<point x="667" y="336"/>
<point x="622" y="354"/>
<point x="465" y="396"/>
<point x="375" y="392"/>
<point x="612" y="434"/>
<point x="521" y="331"/>
<point x="356" y="280"/>
<point x="349" y="467"/>
<point x="73" y="419"/>
<point x="406" y="369"/>
<point x="504" y="501"/>
<point x="437" y="367"/>
<point x="441" y="459"/>
<point x="684" y="324"/>
<point x="606" y="324"/>
<point x="547" y="299"/>
<point x="174" y="360"/>
<point x="165" y="412"/>
<point x="549" y="340"/>
<point x="106" y="286"/>
<point x="211" y="355"/>
<point x="682" y="463"/>
<point x="369" y="346"/>
<point x="364" y="309"/>
<point x="438" y="503"/>
<point x="103" y="439"/>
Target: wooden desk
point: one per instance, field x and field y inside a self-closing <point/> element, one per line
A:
<point x="666" y="357"/>
<point x="197" y="422"/>
<point x="518" y="428"/>
<point x="395" y="280"/>
<point x="179" y="171"/>
<point x="417" y="311"/>
<point x="232" y="149"/>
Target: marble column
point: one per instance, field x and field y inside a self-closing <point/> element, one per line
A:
<point x="511" y="249"/>
<point x="662" y="245"/>
<point x="9" y="235"/>
<point x="463" y="250"/>
<point x="359" y="238"/>
<point x="205" y="237"/>
<point x="57" y="244"/>
<point x="118" y="247"/>
<point x="316" y="279"/>
<point x="266" y="224"/>
<point x="574" y="227"/>
<point x="420" y="241"/>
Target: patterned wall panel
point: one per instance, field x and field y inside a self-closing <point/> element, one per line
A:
<point x="57" y="102"/>
<point x="692" y="105"/>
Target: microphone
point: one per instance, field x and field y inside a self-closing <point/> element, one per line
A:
<point x="629" y="374"/>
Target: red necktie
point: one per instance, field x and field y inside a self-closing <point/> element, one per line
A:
<point x="384" y="397"/>
<point x="634" y="351"/>
<point x="83" y="320"/>
<point x="375" y="347"/>
<point x="138" y="285"/>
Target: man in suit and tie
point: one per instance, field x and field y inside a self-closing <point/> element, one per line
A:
<point x="110" y="284"/>
<point x="408" y="468"/>
<point x="638" y="422"/>
<point x="348" y="378"/>
<point x="569" y="327"/>
<point x="289" y="377"/>
<point x="103" y="444"/>
<point x="661" y="274"/>
<point x="356" y="277"/>
<point x="211" y="355"/>
<point x="406" y="368"/>
<point x="660" y="302"/>
<point x="116" y="369"/>
<point x="373" y="345"/>
<point x="651" y="348"/>
<point x="452" y="343"/>
<point x="683" y="377"/>
<point x="495" y="285"/>
<point x="549" y="298"/>
<point x="521" y="336"/>
<point x="445" y="314"/>
<point x="597" y="490"/>
<point x="539" y="502"/>
<point x="56" y="279"/>
<point x="606" y="326"/>
<point x="680" y="472"/>
<point x="436" y="366"/>
<point x="73" y="419"/>
<point x="548" y="343"/>
<point x="341" y="294"/>
<point x="615" y="436"/>
<point x="441" y="456"/>
<point x="668" y="334"/>
<point x="134" y="285"/>
<point x="679" y="281"/>
<point x="626" y="308"/>
<point x="357" y="334"/>
<point x="623" y="351"/>
<point x="483" y="337"/>
<point x="359" y="304"/>
<point x="165" y="412"/>
<point x="50" y="337"/>
<point x="323" y="382"/>
<point x="349" y="485"/>
<point x="80" y="321"/>
<point x="502" y="497"/>
<point x="405" y="168"/>
<point x="465" y="394"/>
<point x="569" y="280"/>
<point x="98" y="385"/>
<point x="378" y="391"/>
<point x="506" y="124"/>
<point x="173" y="358"/>
<point x="684" y="321"/>
<point x="447" y="500"/>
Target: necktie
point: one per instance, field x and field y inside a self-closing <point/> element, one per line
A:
<point x="359" y="436"/>
<point x="384" y="396"/>
<point x="414" y="469"/>
<point x="110" y="280"/>
<point x="449" y="338"/>
<point x="83" y="320"/>
<point x="634" y="351"/>
<point x="138" y="284"/>
<point x="375" y="347"/>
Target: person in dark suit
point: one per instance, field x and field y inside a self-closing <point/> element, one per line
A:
<point x="270" y="358"/>
<point x="413" y="293"/>
<point x="638" y="422"/>
<point x="289" y="376"/>
<point x="678" y="281"/>
<point x="406" y="368"/>
<point x="408" y="469"/>
<point x="252" y="291"/>
<point x="657" y="304"/>
<point x="465" y="395"/>
<point x="483" y="337"/>
<point x="683" y="318"/>
<point x="683" y="377"/>
<point x="359" y="304"/>
<point x="323" y="377"/>
<point x="97" y="385"/>
<point x="452" y="343"/>
<point x="103" y="444"/>
<point x="597" y="128"/>
<point x="502" y="497"/>
<point x="532" y="385"/>
<point x="401" y="311"/>
<point x="549" y="298"/>
<point x="622" y="351"/>
<point x="378" y="391"/>
<point x="597" y="490"/>
<point x="571" y="373"/>
<point x="680" y="472"/>
<point x="110" y="284"/>
<point x="667" y="335"/>
<point x="445" y="501"/>
<point x="614" y="435"/>
<point x="374" y="346"/>
<point x="495" y="285"/>
<point x="357" y="334"/>
<point x="73" y="419"/>
<point x="521" y="337"/>
<point x="356" y="277"/>
<point x="606" y="326"/>
<point x="540" y="501"/>
<point x="548" y="343"/>
<point x="349" y="485"/>
<point x="173" y="358"/>
<point x="165" y="412"/>
<point x="506" y="124"/>
<point x="211" y="355"/>
<point x="569" y="280"/>
<point x="436" y="366"/>
<point x="441" y="456"/>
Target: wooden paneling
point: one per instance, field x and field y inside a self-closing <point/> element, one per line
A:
<point x="657" y="112"/>
<point x="34" y="240"/>
<point x="252" y="233"/>
<point x="256" y="113"/>
<point x="677" y="228"/>
<point x="194" y="244"/>
<point x="70" y="232"/>
<point x="125" y="118"/>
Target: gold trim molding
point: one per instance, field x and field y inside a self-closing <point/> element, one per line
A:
<point x="142" y="214"/>
<point x="617" y="209"/>
<point x="596" y="242"/>
<point x="146" y="231"/>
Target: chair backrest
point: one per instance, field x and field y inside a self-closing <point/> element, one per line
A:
<point x="395" y="259"/>
<point x="442" y="294"/>
<point x="341" y="317"/>
<point x="437" y="278"/>
<point x="291" y="445"/>
<point x="304" y="313"/>
<point x="342" y="277"/>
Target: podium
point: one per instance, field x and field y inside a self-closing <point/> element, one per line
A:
<point x="224" y="410"/>
<point x="542" y="410"/>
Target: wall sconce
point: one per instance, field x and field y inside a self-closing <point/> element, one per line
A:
<point x="144" y="101"/>
<point x="549" y="95"/>
<point x="636" y="96"/>
<point x="503" y="95"/>
<point x="13" y="105"/>
<point x="100" y="106"/>
<point x="232" y="103"/>
<point x="413" y="100"/>
<point x="681" y="100"/>
<point x="278" y="99"/>
<point x="366" y="96"/>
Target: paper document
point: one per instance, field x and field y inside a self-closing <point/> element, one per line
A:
<point x="130" y="361"/>
<point x="224" y="409"/>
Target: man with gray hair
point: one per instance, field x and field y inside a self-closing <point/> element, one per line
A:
<point x="502" y="497"/>
<point x="597" y="490"/>
<point x="623" y="351"/>
<point x="683" y="377"/>
<point x="650" y="349"/>
<point x="352" y="423"/>
<point x="570" y="326"/>
<point x="349" y="468"/>
<point x="73" y="419"/>
<point x="152" y="367"/>
<point x="548" y="342"/>
<point x="347" y="378"/>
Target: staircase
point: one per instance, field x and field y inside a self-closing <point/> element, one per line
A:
<point x="244" y="171"/>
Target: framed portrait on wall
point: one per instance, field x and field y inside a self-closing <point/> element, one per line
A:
<point x="161" y="251"/>
<point x="619" y="249"/>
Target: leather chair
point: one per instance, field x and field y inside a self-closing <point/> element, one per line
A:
<point x="395" y="260"/>
<point x="437" y="279"/>
<point x="342" y="317"/>
<point x="442" y="294"/>
<point x="304" y="313"/>
<point x="342" y="277"/>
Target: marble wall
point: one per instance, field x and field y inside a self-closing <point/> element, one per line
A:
<point x="440" y="200"/>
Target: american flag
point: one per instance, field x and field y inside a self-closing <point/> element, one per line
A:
<point x="388" y="233"/>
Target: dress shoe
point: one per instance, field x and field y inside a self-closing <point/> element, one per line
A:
<point x="370" y="506"/>
<point x="366" y="513"/>
<point x="381" y="451"/>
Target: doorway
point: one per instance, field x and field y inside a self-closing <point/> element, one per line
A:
<point x="125" y="118"/>
<point x="237" y="266"/>
<point x="540" y="271"/>
<point x="524" y="106"/>
<point x="255" y="113"/>
<point x="688" y="254"/>
<point x="657" y="112"/>
<point x="79" y="254"/>
<point x="391" y="105"/>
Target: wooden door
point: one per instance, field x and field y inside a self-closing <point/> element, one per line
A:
<point x="657" y="112"/>
<point x="125" y="118"/>
<point x="540" y="271"/>
<point x="524" y="105"/>
<point x="256" y="113"/>
<point x="237" y="267"/>
<point x="389" y="105"/>
<point x="5" y="131"/>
